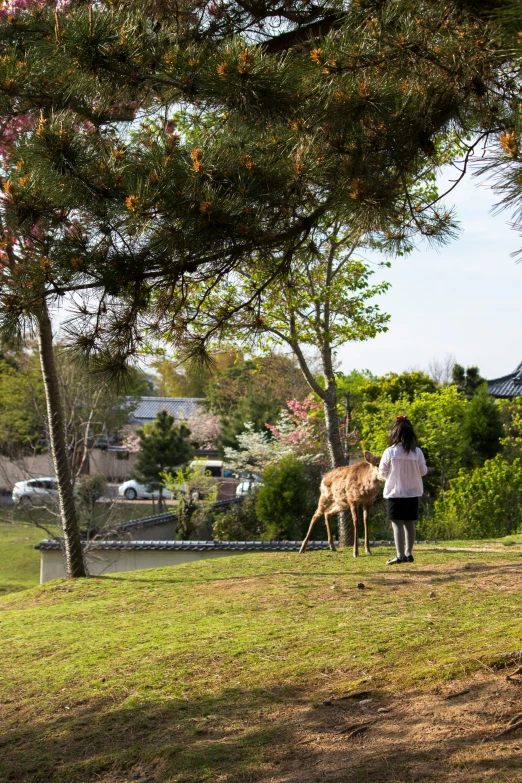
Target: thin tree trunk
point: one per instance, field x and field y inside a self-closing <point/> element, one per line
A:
<point x="333" y="430"/>
<point x="336" y="453"/>
<point x="74" y="561"/>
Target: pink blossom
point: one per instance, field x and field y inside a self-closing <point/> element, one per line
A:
<point x="16" y="6"/>
<point x="300" y="427"/>
<point x="11" y="130"/>
<point x="215" y="9"/>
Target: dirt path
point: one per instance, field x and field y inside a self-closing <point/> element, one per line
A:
<point x="450" y="734"/>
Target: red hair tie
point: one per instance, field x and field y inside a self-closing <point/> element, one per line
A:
<point x="402" y="418"/>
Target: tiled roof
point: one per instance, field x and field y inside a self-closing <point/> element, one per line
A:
<point x="197" y="546"/>
<point x="508" y="386"/>
<point x="182" y="408"/>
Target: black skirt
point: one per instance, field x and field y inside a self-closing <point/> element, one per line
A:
<point x="403" y="509"/>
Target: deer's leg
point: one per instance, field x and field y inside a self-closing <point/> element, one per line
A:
<point x="315" y="517"/>
<point x="366" y="516"/>
<point x="353" y="509"/>
<point x="329" y="531"/>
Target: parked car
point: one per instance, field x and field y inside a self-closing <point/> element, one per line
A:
<point x="37" y="491"/>
<point x="248" y="481"/>
<point x="213" y="466"/>
<point x="133" y="490"/>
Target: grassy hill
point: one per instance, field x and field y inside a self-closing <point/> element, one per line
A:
<point x="267" y="667"/>
<point x="19" y="560"/>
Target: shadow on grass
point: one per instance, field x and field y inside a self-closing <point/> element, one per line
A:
<point x="155" y="741"/>
<point x="467" y="571"/>
<point x="242" y="736"/>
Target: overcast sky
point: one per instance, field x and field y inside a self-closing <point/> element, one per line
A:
<point x="463" y="299"/>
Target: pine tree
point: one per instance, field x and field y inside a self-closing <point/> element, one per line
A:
<point x="146" y="147"/>
<point x="164" y="447"/>
<point x="239" y="149"/>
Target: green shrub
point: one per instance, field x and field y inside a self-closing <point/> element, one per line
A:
<point x="88" y="490"/>
<point x="482" y="428"/>
<point x="239" y="522"/>
<point x="482" y="503"/>
<point x="282" y="501"/>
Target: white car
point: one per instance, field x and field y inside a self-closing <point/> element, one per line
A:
<point x="133" y="490"/>
<point x="249" y="481"/>
<point x="38" y="491"/>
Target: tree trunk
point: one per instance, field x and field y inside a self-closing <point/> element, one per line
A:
<point x="329" y="400"/>
<point x="336" y="454"/>
<point x="74" y="561"/>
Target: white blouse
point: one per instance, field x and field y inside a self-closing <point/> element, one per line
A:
<point x="402" y="472"/>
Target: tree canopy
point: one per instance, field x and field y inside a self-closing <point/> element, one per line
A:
<point x="150" y="147"/>
<point x="164" y="447"/>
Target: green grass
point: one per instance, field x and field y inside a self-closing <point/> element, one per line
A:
<point x="19" y="561"/>
<point x="183" y="674"/>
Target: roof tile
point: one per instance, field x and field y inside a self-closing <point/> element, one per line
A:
<point x="507" y="386"/>
<point x="182" y="408"/>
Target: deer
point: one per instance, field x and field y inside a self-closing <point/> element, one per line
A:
<point x="344" y="488"/>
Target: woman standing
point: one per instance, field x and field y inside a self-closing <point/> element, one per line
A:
<point x="402" y="467"/>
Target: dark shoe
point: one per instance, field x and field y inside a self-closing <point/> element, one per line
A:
<point x="409" y="559"/>
<point x="395" y="560"/>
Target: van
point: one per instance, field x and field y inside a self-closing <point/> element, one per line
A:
<point x="215" y="467"/>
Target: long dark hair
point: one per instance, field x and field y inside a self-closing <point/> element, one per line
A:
<point x="402" y="432"/>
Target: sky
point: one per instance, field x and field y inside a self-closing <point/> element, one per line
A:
<point x="463" y="299"/>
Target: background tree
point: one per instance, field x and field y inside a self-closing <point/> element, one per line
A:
<point x="345" y="134"/>
<point x="255" y="452"/>
<point x="324" y="302"/>
<point x="239" y="522"/>
<point x="195" y="491"/>
<point x="455" y="433"/>
<point x="511" y="415"/>
<point x="282" y="499"/>
<point x="22" y="402"/>
<point x="394" y="386"/>
<point x="173" y="379"/>
<point x="164" y="447"/>
<point x="441" y="370"/>
<point x="468" y="381"/>
<point x="484" y="503"/>
<point x="204" y="204"/>
<point x="253" y="390"/>
<point x="90" y="489"/>
<point x="483" y="427"/>
<point x="94" y="410"/>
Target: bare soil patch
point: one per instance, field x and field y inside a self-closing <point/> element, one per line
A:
<point x="450" y="734"/>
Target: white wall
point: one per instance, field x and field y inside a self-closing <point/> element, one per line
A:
<point x="105" y="561"/>
<point x="108" y="464"/>
<point x="24" y="468"/>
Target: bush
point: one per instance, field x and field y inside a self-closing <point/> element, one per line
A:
<point x="239" y="522"/>
<point x="88" y="490"/>
<point x="195" y="492"/>
<point x="483" y="503"/>
<point x="482" y="428"/>
<point x="282" y="501"/>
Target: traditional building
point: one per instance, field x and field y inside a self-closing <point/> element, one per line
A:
<point x="182" y="408"/>
<point x="507" y="387"/>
